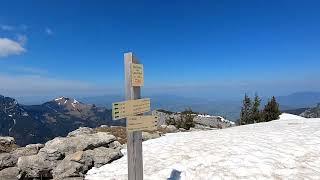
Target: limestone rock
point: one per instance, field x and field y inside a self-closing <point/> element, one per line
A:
<point x="7" y="160"/>
<point x="81" y="131"/>
<point x="10" y="173"/>
<point x="78" y="163"/>
<point x="171" y="129"/>
<point x="81" y="142"/>
<point x="7" y="144"/>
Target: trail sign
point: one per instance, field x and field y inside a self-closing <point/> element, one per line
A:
<point x="131" y="107"/>
<point x="137" y="76"/>
<point x="141" y="123"/>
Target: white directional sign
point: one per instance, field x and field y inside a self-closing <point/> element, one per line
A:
<point x="132" y="107"/>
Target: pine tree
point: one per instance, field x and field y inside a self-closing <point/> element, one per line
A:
<point x="255" y="112"/>
<point x="271" y="110"/>
<point x="245" y="110"/>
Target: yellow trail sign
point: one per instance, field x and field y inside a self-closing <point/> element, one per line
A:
<point x="141" y="123"/>
<point x="137" y="76"/>
<point x="128" y="108"/>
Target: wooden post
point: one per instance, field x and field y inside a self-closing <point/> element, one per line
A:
<point x="134" y="144"/>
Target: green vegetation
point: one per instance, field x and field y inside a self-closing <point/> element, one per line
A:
<point x="251" y="113"/>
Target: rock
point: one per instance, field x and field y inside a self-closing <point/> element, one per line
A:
<point x="104" y="126"/>
<point x="29" y="150"/>
<point x="163" y="126"/>
<point x="80" y="142"/>
<point x="36" y="166"/>
<point x="182" y="129"/>
<point x="11" y="173"/>
<point x="147" y="135"/>
<point x="102" y="155"/>
<point x="7" y="144"/>
<point x="11" y="159"/>
<point x="63" y="150"/>
<point x="115" y="145"/>
<point x="77" y="164"/>
<point x="81" y="131"/>
<point x="7" y="160"/>
<point x="171" y="129"/>
<point x="7" y="140"/>
<point x="212" y="122"/>
<point x="73" y="165"/>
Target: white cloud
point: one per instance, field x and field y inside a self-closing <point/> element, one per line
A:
<point x="48" y="31"/>
<point x="9" y="47"/>
<point x="6" y="27"/>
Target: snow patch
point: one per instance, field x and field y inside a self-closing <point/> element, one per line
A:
<point x="287" y="116"/>
<point x="57" y="99"/>
<point x="279" y="149"/>
<point x="75" y="101"/>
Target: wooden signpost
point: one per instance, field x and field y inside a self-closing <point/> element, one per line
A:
<point x="133" y="109"/>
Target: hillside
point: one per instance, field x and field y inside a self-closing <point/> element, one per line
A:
<point x="281" y="149"/>
<point x="40" y="123"/>
<point x="312" y="112"/>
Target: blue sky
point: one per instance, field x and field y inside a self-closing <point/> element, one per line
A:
<point x="192" y="48"/>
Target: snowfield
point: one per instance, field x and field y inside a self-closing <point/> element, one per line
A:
<point x="288" y="148"/>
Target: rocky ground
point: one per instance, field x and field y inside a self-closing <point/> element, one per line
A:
<point x="61" y="158"/>
<point x="72" y="156"/>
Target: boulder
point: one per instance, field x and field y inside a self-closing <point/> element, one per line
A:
<point x="78" y="163"/>
<point x="81" y="131"/>
<point x="102" y="155"/>
<point x="7" y="144"/>
<point x="10" y="173"/>
<point x="147" y="135"/>
<point x="7" y="160"/>
<point x="115" y="145"/>
<point x="63" y="150"/>
<point x="11" y="159"/>
<point x="82" y="142"/>
<point x="171" y="129"/>
<point x="36" y="166"/>
<point x="29" y="150"/>
<point x="73" y="165"/>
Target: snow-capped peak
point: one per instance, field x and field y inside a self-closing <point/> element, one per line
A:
<point x="59" y="98"/>
<point x="75" y="101"/>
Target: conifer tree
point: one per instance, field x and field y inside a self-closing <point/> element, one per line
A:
<point x="271" y="110"/>
<point x="255" y="112"/>
<point x="245" y="110"/>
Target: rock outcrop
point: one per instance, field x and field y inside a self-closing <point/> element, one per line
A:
<point x="312" y="112"/>
<point x="61" y="158"/>
<point x="7" y="144"/>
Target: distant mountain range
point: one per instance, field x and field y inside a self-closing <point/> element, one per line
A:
<point x="226" y="108"/>
<point x="39" y="123"/>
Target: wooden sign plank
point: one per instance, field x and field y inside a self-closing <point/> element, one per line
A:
<point x="137" y="75"/>
<point x="141" y="123"/>
<point x="132" y="107"/>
